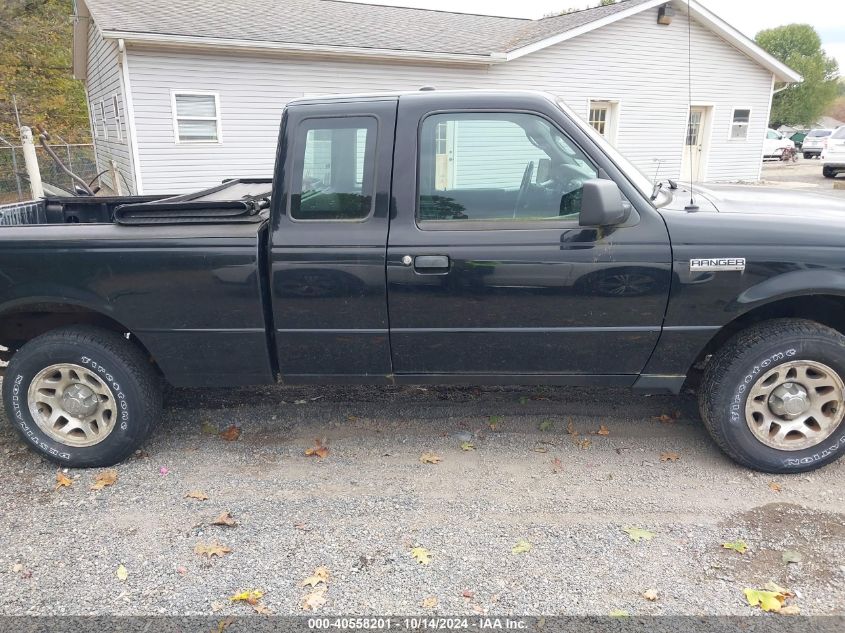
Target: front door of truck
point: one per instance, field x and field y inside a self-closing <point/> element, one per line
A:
<point x="327" y="255"/>
<point x="488" y="270"/>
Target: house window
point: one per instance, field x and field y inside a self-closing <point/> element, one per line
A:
<point x="103" y="121"/>
<point x="196" y="117"/>
<point x="504" y="167"/>
<point x="739" y="124"/>
<point x="118" y="121"/>
<point x="334" y="169"/>
<point x="602" y="117"/>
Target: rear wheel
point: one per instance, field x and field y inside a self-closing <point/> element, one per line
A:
<point x="807" y="156"/>
<point x="773" y="397"/>
<point x="81" y="396"/>
<point x="828" y="172"/>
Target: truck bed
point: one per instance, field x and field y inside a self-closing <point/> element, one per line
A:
<point x="239" y="200"/>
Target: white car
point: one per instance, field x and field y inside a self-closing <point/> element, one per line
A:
<point x="815" y="142"/>
<point x="775" y="143"/>
<point x="833" y="156"/>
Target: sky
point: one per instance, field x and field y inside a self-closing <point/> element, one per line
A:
<point x="749" y="16"/>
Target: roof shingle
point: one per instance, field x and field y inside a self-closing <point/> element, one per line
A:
<point x="339" y="23"/>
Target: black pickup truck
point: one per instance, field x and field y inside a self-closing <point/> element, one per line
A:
<point x="434" y="237"/>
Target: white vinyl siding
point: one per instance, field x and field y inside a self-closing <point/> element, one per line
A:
<point x="104" y="84"/>
<point x="196" y="117"/>
<point x="634" y="60"/>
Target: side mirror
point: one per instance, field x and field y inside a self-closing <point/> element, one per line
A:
<point x="602" y="204"/>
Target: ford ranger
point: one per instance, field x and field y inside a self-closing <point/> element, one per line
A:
<point x="434" y="237"/>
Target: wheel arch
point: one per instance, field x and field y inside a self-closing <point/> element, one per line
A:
<point x="825" y="308"/>
<point x="21" y="322"/>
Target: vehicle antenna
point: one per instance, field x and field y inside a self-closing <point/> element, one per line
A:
<point x="692" y="206"/>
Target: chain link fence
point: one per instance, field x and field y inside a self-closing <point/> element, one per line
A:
<point x="14" y="183"/>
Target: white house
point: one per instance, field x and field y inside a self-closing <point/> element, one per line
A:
<point x="185" y="93"/>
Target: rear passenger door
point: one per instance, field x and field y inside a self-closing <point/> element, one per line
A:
<point x="327" y="255"/>
<point x="488" y="270"/>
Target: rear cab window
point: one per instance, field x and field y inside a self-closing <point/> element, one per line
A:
<point x="334" y="169"/>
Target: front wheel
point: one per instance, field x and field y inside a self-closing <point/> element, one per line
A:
<point x="82" y="397"/>
<point x="772" y="397"/>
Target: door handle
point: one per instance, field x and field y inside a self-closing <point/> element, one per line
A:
<point x="431" y="263"/>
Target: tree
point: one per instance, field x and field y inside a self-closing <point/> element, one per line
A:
<point x="604" y="3"/>
<point x="800" y="47"/>
<point x="35" y="66"/>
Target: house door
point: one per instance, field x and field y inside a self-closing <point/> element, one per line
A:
<point x="695" y="144"/>
<point x="445" y="154"/>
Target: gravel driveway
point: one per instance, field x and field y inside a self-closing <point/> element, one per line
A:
<point x="536" y="475"/>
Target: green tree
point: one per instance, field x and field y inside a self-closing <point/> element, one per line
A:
<point x="800" y="47"/>
<point x="604" y="3"/>
<point x="35" y="67"/>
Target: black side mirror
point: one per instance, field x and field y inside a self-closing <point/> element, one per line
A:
<point x="602" y="204"/>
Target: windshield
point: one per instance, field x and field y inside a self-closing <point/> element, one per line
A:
<point x="820" y="133"/>
<point x="637" y="178"/>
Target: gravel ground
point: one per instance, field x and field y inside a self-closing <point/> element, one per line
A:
<point x="804" y="175"/>
<point x="360" y="510"/>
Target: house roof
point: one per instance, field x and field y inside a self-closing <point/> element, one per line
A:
<point x="342" y="27"/>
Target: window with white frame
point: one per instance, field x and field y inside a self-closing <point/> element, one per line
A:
<point x="95" y="126"/>
<point x="103" y="121"/>
<point x="118" y="120"/>
<point x="196" y="117"/>
<point x="602" y="117"/>
<point x="739" y="124"/>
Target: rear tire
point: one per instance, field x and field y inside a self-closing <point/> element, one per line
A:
<point x="828" y="172"/>
<point x="807" y="156"/>
<point x="741" y="407"/>
<point x="81" y="396"/>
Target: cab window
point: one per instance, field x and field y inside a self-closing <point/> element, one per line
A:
<point x="508" y="167"/>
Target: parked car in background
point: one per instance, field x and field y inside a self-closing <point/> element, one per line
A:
<point x="815" y="143"/>
<point x="775" y="143"/>
<point x="833" y="156"/>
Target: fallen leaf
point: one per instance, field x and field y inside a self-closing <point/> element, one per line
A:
<point x="430" y="602"/>
<point x="774" y="486"/>
<point x="211" y="549"/>
<point x="541" y="449"/>
<point x="557" y="466"/>
<point x="522" y="546"/>
<point x="302" y="527"/>
<point x="314" y="600"/>
<point x="603" y="430"/>
<point x="791" y="556"/>
<point x="320" y="575"/>
<point x="430" y="458"/>
<point x="669" y="456"/>
<point x="225" y="519"/>
<point x="767" y="600"/>
<point x="771" y="586"/>
<point x="546" y="425"/>
<point x="737" y="546"/>
<point x="231" y="433"/>
<point x="638" y="534"/>
<point x="665" y="419"/>
<point x="223" y="624"/>
<point x="122" y="574"/>
<point x="421" y="555"/>
<point x="467" y="446"/>
<point x="17" y="568"/>
<point x="318" y="450"/>
<point x="103" y="479"/>
<point x="261" y="609"/>
<point x="216" y="606"/>
<point x="62" y="480"/>
<point x="250" y="596"/>
<point x="570" y="427"/>
<point x="791" y="609"/>
<point x="163" y="470"/>
<point x="585" y="444"/>
<point x="208" y="428"/>
<point x="199" y="495"/>
<point x="494" y="422"/>
<point x="469" y="595"/>
<point x="650" y="595"/>
<point x="619" y="613"/>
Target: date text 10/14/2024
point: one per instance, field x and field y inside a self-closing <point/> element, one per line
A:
<point x="418" y="623"/>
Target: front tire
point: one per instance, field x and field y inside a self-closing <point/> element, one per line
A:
<point x="772" y="397"/>
<point x="81" y="396"/>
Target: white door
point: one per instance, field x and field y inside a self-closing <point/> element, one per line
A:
<point x="695" y="148"/>
<point x="445" y="155"/>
